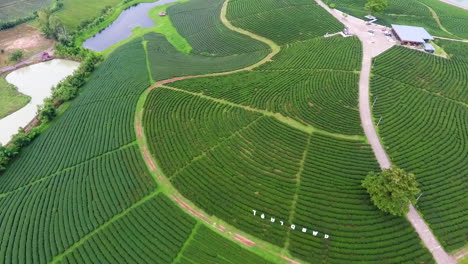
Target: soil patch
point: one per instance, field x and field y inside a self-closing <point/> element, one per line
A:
<point x="25" y="38"/>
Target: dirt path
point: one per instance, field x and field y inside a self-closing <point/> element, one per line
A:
<point x="370" y="50"/>
<point x="437" y="19"/>
<point x="458" y="40"/>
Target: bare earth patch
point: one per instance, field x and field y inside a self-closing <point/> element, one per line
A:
<point x="23" y="37"/>
<point x="244" y="240"/>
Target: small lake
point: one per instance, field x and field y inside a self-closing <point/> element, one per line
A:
<point x="121" y="28"/>
<point x="35" y="81"/>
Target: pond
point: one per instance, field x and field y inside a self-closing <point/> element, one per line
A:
<point x="121" y="28"/>
<point x="35" y="81"/>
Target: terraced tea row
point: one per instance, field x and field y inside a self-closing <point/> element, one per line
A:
<point x="425" y="133"/>
<point x="331" y="199"/>
<point x="282" y="21"/>
<point x="157" y="231"/>
<point x="457" y="51"/>
<point x="46" y="217"/>
<point x="315" y="94"/>
<point x="84" y="171"/>
<point x="163" y="59"/>
<point x="415" y="72"/>
<point x="229" y="160"/>
<point x="205" y="242"/>
<point x="206" y="33"/>
<point x="98" y="121"/>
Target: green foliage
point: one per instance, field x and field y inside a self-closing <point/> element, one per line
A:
<point x="68" y="89"/>
<point x="392" y="190"/>
<point x="9" y="152"/>
<point x="423" y="109"/>
<point x="376" y="6"/>
<point x="51" y="26"/>
<point x="47" y="112"/>
<point x="332" y="6"/>
<point x="16" y="55"/>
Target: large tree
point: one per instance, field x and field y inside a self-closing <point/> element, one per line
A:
<point x="392" y="190"/>
<point x="376" y="6"/>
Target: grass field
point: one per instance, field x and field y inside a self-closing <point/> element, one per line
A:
<point x="76" y="11"/>
<point x="10" y="99"/>
<point x="12" y="9"/>
<point x="438" y="18"/>
<point x="424" y="116"/>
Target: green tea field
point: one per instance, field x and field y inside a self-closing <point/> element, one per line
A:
<point x="424" y="116"/>
<point x="232" y="132"/>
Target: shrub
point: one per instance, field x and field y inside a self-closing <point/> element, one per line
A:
<point x="16" y="55"/>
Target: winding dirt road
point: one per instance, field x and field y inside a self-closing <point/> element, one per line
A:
<point x="373" y="45"/>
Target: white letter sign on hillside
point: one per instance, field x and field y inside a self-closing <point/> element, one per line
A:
<point x="291" y="226"/>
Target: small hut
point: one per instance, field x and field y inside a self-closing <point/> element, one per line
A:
<point x="162" y="14"/>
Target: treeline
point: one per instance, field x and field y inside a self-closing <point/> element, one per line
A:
<point x="63" y="92"/>
<point x="57" y="5"/>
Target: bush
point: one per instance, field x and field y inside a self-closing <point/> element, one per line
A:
<point x="392" y="190"/>
<point x="332" y="6"/>
<point x="16" y="55"/>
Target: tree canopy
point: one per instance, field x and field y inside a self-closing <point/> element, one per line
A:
<point x="376" y="6"/>
<point x="392" y="190"/>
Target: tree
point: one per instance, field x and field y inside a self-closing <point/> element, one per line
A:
<point x="16" y="55"/>
<point x="392" y="190"/>
<point x="43" y="18"/>
<point x="51" y="26"/>
<point x="47" y="112"/>
<point x="376" y="6"/>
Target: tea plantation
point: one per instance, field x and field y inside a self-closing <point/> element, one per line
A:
<point x="424" y="116"/>
<point x="84" y="178"/>
<point x="275" y="153"/>
<point x="284" y="140"/>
